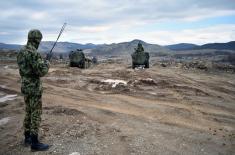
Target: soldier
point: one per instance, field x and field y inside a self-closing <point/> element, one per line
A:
<point x="139" y="48"/>
<point x="31" y="68"/>
<point x="139" y="57"/>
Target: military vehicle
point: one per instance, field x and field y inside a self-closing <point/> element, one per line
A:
<point x="140" y="58"/>
<point x="78" y="59"/>
<point x="94" y="60"/>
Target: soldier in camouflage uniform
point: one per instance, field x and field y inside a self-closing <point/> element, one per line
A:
<point x="31" y="68"/>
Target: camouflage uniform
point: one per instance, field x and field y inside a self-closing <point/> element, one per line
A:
<point x="31" y="68"/>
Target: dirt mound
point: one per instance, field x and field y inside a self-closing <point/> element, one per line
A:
<point x="147" y="81"/>
<point x="123" y="86"/>
<point x="124" y="74"/>
<point x="110" y="85"/>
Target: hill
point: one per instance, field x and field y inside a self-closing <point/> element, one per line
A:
<point x="219" y="46"/>
<point x="9" y="46"/>
<point x="181" y="46"/>
<point x="45" y="46"/>
<point x="63" y="47"/>
<point x="126" y="48"/>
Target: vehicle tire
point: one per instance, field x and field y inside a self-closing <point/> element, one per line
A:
<point x="133" y="66"/>
<point x="146" y="65"/>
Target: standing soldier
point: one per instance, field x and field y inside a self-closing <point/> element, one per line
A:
<point x="31" y="68"/>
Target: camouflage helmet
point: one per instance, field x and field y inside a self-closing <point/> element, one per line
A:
<point x="34" y="34"/>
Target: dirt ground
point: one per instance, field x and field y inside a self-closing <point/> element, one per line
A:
<point x="158" y="111"/>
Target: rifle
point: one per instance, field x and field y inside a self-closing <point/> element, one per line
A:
<point x="49" y="55"/>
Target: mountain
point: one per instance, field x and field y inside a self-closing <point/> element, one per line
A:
<point x="181" y="46"/>
<point x="45" y="46"/>
<point x="9" y="46"/>
<point x="219" y="46"/>
<point x="126" y="48"/>
<point x="63" y="47"/>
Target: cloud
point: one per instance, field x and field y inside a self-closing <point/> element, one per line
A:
<point x="3" y="33"/>
<point x="101" y="21"/>
<point x="219" y="33"/>
<point x="39" y="15"/>
<point x="93" y="29"/>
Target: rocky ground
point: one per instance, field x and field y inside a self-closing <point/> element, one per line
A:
<point x="111" y="109"/>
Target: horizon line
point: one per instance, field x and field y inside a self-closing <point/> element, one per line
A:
<point x="124" y="42"/>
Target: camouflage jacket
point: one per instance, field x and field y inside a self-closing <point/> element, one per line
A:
<point x="31" y="68"/>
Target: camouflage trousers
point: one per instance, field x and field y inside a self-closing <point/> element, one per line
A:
<point x="33" y="111"/>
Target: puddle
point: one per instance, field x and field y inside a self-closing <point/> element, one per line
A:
<point x="114" y="82"/>
<point x="7" y="98"/>
<point x="152" y="93"/>
<point x="4" y="121"/>
<point x="2" y="86"/>
<point x="75" y="153"/>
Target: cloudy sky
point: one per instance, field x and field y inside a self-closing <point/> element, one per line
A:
<point x="111" y="21"/>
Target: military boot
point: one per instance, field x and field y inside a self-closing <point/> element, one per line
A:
<point x="27" y="139"/>
<point x="36" y="145"/>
